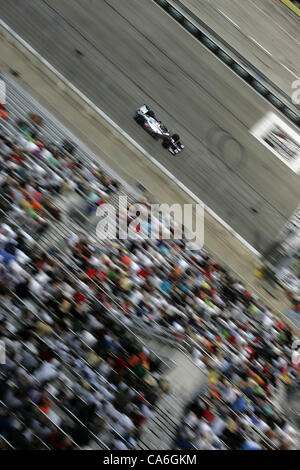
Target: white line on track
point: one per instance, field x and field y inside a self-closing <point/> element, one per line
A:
<point x="275" y="22"/>
<point x="229" y="19"/>
<point x="259" y="45"/>
<point x="289" y="70"/>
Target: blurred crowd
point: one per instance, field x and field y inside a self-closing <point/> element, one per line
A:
<point x="75" y="374"/>
<point x="233" y="422"/>
<point x="72" y="377"/>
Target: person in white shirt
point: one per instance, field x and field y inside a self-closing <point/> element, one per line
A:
<point x="45" y="154"/>
<point x="136" y="296"/>
<point x="8" y="231"/>
<point x="117" y="444"/>
<point x="204" y="427"/>
<point x="35" y="287"/>
<point x="47" y="371"/>
<point x="267" y="321"/>
<point x="21" y="257"/>
<point x="42" y="278"/>
<point x="191" y="419"/>
<point x="126" y="422"/>
<point x="147" y="412"/>
<point x="218" y="425"/>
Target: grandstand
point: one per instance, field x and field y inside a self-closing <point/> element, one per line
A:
<point x="59" y="231"/>
<point x="112" y="341"/>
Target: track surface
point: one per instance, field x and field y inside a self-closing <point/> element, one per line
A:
<point x="265" y="32"/>
<point x="134" y="54"/>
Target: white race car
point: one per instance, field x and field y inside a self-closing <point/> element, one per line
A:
<point x="147" y="119"/>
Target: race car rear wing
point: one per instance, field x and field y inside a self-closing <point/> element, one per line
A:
<point x="143" y="109"/>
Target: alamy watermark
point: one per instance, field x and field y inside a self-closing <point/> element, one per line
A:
<point x="143" y="221"/>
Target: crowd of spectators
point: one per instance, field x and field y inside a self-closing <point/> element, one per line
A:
<point x="72" y="376"/>
<point x="234" y="422"/>
<point x="75" y="374"/>
<point x="244" y="350"/>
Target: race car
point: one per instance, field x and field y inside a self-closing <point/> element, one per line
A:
<point x="147" y="119"/>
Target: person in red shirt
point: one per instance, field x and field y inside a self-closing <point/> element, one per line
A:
<point x="138" y="419"/>
<point x="91" y="272"/>
<point x="208" y="415"/>
<point x="17" y="158"/>
<point x="101" y="275"/>
<point x="3" y="112"/>
<point x="207" y="272"/>
<point x="143" y="273"/>
<point x="79" y="297"/>
<point x="232" y="339"/>
<point x="45" y="406"/>
<point x="247" y="294"/>
<point x="120" y="365"/>
<point x="58" y="441"/>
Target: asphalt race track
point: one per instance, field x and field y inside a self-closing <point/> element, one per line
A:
<point x="133" y="53"/>
<point x="243" y="25"/>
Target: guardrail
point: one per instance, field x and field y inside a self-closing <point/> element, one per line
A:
<point x="241" y="67"/>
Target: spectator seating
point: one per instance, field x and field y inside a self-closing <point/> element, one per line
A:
<point x="70" y="304"/>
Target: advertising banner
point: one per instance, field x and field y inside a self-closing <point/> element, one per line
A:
<point x="280" y="138"/>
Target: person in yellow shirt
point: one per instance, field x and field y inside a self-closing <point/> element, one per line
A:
<point x="25" y="205"/>
<point x="124" y="282"/>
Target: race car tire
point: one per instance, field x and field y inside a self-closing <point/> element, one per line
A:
<point x="176" y="137"/>
<point x="151" y="113"/>
<point x="165" y="144"/>
<point x="140" y="120"/>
